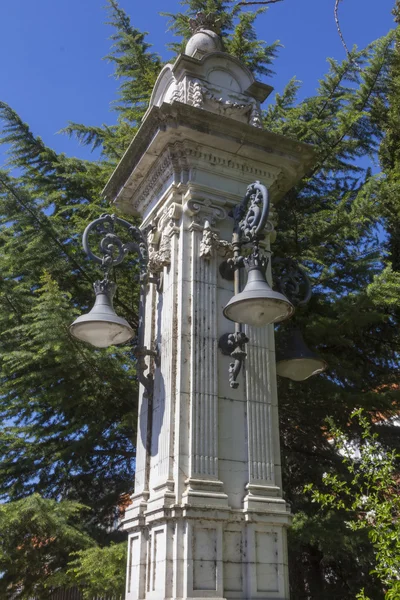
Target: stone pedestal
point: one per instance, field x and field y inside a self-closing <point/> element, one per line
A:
<point x="207" y="518"/>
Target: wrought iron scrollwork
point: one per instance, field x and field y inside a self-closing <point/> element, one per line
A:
<point x="112" y="247"/>
<point x="114" y="250"/>
<point x="251" y="215"/>
<point x="292" y="281"/>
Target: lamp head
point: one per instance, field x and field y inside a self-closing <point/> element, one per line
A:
<point x="295" y="360"/>
<point x="102" y="327"/>
<point x="258" y="304"/>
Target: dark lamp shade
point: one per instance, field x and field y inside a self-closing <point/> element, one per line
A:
<point x="295" y="360"/>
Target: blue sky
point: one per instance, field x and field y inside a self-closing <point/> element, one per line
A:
<point x="52" y="50"/>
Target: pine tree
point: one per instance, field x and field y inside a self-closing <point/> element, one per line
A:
<point x="68" y="411"/>
<point x="37" y="537"/>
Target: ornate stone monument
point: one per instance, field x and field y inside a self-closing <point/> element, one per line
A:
<point x="207" y="518"/>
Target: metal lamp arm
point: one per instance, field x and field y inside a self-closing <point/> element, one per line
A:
<point x="114" y="251"/>
<point x="112" y="247"/>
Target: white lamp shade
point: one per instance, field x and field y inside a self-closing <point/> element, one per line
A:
<point x="102" y="327"/>
<point x="300" y="369"/>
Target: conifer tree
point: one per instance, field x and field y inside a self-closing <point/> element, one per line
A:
<point x="68" y="412"/>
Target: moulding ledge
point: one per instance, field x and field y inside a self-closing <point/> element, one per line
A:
<point x="171" y="123"/>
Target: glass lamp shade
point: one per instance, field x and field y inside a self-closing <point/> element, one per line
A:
<point x="295" y="360"/>
<point x="102" y="327"/>
<point x="258" y="304"/>
<point x="300" y="369"/>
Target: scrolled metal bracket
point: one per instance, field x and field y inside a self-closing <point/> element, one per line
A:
<point x="251" y="215"/>
<point x="114" y="251"/>
<point x="250" y="219"/>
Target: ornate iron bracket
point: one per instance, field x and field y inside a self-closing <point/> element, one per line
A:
<point x="114" y="251"/>
<point x="112" y="247"/>
<point x="251" y="215"/>
<point x="250" y="218"/>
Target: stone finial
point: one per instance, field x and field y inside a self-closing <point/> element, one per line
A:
<point x="208" y="78"/>
<point x="205" y="38"/>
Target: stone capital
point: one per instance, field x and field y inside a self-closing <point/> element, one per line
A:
<point x="203" y="211"/>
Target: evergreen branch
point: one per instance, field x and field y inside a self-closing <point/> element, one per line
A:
<point x="360" y="109"/>
<point x="335" y="88"/>
<point x="45" y="226"/>
<point x="14" y="309"/>
<point x="86" y="136"/>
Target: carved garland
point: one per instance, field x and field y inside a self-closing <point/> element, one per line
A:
<point x="198" y="94"/>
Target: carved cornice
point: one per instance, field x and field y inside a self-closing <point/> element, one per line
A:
<point x="170" y="166"/>
<point x="164" y="124"/>
<point x="238" y="106"/>
<point x="232" y="163"/>
<point x="178" y="158"/>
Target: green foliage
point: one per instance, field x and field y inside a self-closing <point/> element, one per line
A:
<point x="37" y="537"/>
<point x="243" y="44"/>
<point x="237" y="28"/>
<point x="137" y="68"/>
<point x="389" y="154"/>
<point x="99" y="571"/>
<point x="368" y="496"/>
<point x="68" y="411"/>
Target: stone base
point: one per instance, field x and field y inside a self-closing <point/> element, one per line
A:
<point x="191" y="553"/>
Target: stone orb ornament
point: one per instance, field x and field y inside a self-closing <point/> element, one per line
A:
<point x="203" y="42"/>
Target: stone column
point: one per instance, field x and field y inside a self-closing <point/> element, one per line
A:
<point x="207" y="518"/>
<point x="203" y="484"/>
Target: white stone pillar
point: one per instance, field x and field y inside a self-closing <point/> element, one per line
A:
<point x="207" y="518"/>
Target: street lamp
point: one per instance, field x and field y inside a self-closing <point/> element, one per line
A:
<point x="256" y="305"/>
<point x="294" y="358"/>
<point x="102" y="327"/>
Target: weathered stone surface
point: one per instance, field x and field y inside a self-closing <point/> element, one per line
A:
<point x="207" y="518"/>
<point x="178" y="143"/>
